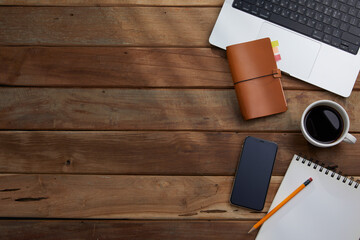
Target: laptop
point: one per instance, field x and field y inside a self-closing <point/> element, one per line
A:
<point x="318" y="39"/>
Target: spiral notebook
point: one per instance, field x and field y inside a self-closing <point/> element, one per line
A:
<point x="328" y="208"/>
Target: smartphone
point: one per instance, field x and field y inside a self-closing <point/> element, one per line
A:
<point x="253" y="173"/>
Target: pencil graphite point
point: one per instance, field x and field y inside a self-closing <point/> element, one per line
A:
<point x="252" y="229"/>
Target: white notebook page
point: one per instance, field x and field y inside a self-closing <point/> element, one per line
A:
<point x="325" y="209"/>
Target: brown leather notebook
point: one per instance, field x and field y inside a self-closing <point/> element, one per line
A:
<point x="256" y="79"/>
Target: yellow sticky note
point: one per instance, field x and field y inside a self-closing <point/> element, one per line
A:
<point x="275" y="50"/>
<point x="275" y="43"/>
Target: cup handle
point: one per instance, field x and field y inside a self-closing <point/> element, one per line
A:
<point x="349" y="138"/>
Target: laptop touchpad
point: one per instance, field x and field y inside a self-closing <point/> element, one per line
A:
<point x="298" y="53"/>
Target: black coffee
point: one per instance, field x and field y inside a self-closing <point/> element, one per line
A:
<point x="324" y="124"/>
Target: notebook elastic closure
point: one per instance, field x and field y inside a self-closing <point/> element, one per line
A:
<point x="276" y="74"/>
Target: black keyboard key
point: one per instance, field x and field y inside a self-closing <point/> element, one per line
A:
<point x="344" y="46"/>
<point x="319" y="7"/>
<point x="237" y="4"/>
<point x="246" y="7"/>
<point x="328" y="11"/>
<point x="301" y="10"/>
<point x="285" y="13"/>
<point x="352" y="2"/>
<point x="344" y="26"/>
<point x="327" y="38"/>
<point x="255" y="10"/>
<point x="268" y="6"/>
<point x="277" y="10"/>
<point x="354" y="30"/>
<point x="344" y="8"/>
<point x="353" y="11"/>
<point x="310" y="13"/>
<point x="311" y="4"/>
<point x="358" y="5"/>
<point x="336" y="14"/>
<point x="319" y="17"/>
<point x="350" y="38"/>
<point x="334" y="22"/>
<point x="303" y="19"/>
<point x="264" y="14"/>
<point x="260" y="3"/>
<point x="293" y="6"/>
<point x="354" y="21"/>
<point x="327" y="20"/>
<point x="284" y="3"/>
<point x="327" y="2"/>
<point x="335" y="4"/>
<point x="319" y="26"/>
<point x="353" y="49"/>
<point x="311" y="23"/>
<point x="294" y="16"/>
<point x="291" y="24"/>
<point x="336" y="33"/>
<point x="328" y="30"/>
<point x="318" y="35"/>
<point x="345" y="18"/>
<point x="335" y="42"/>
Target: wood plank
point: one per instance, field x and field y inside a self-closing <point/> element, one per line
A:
<point x="122" y="67"/>
<point x="124" y="197"/>
<point x="155" y="153"/>
<point x="156" y="109"/>
<point x="136" y="230"/>
<point x="98" y="3"/>
<point x="110" y="26"/>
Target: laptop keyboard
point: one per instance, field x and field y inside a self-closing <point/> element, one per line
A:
<point x="334" y="22"/>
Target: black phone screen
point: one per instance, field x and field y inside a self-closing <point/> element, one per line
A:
<point x="253" y="173"/>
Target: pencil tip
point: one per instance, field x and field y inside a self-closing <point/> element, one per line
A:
<point x="252" y="229"/>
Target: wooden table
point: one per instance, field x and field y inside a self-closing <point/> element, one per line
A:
<point x="119" y="121"/>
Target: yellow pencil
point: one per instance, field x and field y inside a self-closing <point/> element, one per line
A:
<point x="258" y="224"/>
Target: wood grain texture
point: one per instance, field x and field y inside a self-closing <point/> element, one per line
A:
<point x="156" y="109"/>
<point x="149" y="47"/>
<point x="122" y="67"/>
<point x="98" y="3"/>
<point x="119" y="229"/>
<point x="155" y="153"/>
<point x="110" y="26"/>
<point x="123" y="197"/>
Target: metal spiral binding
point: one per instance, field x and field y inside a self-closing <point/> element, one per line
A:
<point x="321" y="168"/>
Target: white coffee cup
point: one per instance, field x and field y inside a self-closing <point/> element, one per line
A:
<point x="345" y="135"/>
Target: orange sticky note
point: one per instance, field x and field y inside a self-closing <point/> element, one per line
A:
<point x="277" y="57"/>
<point x="275" y="50"/>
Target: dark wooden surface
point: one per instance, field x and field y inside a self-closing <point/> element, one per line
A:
<point x="120" y="229"/>
<point x="118" y="120"/>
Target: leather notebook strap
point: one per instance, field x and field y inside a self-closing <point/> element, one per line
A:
<point x="276" y="73"/>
